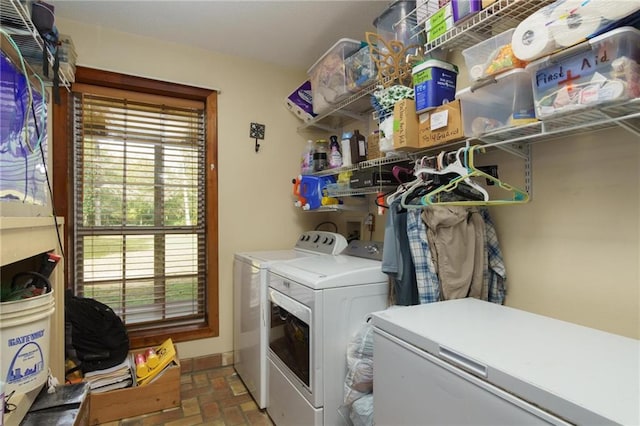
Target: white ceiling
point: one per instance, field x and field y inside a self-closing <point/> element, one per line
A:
<point x="290" y="33"/>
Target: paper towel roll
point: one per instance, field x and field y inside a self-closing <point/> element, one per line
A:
<point x="532" y="38"/>
<point x="618" y="9"/>
<point x="574" y="20"/>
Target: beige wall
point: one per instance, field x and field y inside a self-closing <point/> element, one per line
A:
<point x="572" y="253"/>
<point x="255" y="198"/>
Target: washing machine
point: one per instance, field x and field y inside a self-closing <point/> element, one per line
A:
<point x="249" y="298"/>
<point x="317" y="305"/>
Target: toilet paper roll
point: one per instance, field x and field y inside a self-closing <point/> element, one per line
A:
<point x="532" y="38"/>
<point x="573" y="21"/>
<point x="618" y="9"/>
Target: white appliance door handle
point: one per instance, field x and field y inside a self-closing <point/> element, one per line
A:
<point x="297" y="309"/>
<point x="462" y="361"/>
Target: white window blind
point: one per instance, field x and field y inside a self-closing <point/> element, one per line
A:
<point x="139" y="206"/>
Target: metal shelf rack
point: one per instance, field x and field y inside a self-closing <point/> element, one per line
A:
<point x="16" y="21"/>
<point x="495" y="19"/>
<point x="498" y="17"/>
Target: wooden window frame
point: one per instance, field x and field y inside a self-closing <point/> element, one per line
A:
<point x="63" y="188"/>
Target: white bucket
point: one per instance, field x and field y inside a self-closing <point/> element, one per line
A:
<point x="25" y="333"/>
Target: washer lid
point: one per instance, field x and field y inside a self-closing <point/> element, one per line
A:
<point x="264" y="259"/>
<point x="322" y="272"/>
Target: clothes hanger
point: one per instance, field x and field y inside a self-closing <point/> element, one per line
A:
<point x="518" y="196"/>
<point x="435" y="167"/>
<point x="463" y="171"/>
<point x="420" y="186"/>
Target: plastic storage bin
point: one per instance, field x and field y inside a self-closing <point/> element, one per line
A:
<point x="603" y="69"/>
<point x="398" y="22"/>
<point x="328" y="77"/>
<point x="463" y="9"/>
<point x="360" y="70"/>
<point x="492" y="56"/>
<point x="506" y="102"/>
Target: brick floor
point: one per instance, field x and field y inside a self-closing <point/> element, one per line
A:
<point x="210" y="396"/>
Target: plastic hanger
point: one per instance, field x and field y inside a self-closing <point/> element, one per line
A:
<point x="463" y="171"/>
<point x="518" y="196"/>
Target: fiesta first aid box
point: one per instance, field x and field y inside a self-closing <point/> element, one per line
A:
<point x="504" y="102"/>
<point x="328" y="76"/>
<point x="601" y="70"/>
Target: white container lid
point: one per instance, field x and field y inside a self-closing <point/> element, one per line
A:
<point x="515" y="74"/>
<point x="351" y="44"/>
<point x="432" y="63"/>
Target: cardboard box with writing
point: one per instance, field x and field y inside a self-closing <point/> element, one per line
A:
<point x="405" y="126"/>
<point x="163" y="392"/>
<point x="441" y="125"/>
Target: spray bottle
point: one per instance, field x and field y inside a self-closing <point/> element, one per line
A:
<point x="335" y="157"/>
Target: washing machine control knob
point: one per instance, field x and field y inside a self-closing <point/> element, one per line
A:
<point x="315" y="240"/>
<point x="372" y="248"/>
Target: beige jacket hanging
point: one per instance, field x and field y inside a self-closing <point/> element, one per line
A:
<point x="456" y="238"/>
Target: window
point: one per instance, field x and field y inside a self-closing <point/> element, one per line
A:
<point x="140" y="205"/>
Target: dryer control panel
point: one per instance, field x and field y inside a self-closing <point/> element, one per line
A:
<point x="322" y="242"/>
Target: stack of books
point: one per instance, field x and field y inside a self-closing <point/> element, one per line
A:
<point x="128" y="374"/>
<point x="117" y="377"/>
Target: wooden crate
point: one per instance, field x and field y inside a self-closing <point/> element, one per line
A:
<point x="118" y="404"/>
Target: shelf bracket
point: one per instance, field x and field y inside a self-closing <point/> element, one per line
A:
<point x="519" y="150"/>
<point x="528" y="181"/>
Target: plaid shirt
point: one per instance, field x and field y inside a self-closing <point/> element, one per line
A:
<point x="495" y="274"/>
<point x="426" y="276"/>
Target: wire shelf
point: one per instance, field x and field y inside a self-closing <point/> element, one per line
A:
<point x="495" y="19"/>
<point x="17" y="23"/>
<point x="624" y="114"/>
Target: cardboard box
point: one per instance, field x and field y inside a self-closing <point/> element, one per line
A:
<point x="441" y="125"/>
<point x="405" y="126"/>
<point x="162" y="393"/>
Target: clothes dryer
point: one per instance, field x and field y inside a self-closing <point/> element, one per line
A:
<point x="249" y="298"/>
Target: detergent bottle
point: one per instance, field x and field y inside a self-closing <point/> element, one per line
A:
<point x="306" y="163"/>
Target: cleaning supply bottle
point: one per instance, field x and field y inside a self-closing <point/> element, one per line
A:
<point x="346" y="150"/>
<point x="358" y="146"/>
<point x="321" y="156"/>
<point x="335" y="157"/>
<point x="306" y="163"/>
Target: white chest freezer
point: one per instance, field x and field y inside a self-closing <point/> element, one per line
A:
<point x="471" y="362"/>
